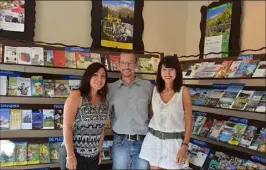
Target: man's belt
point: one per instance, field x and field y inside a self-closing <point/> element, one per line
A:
<point x="166" y="135"/>
<point x="131" y="137"/>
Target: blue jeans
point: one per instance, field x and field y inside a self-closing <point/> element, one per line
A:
<point x="125" y="154"/>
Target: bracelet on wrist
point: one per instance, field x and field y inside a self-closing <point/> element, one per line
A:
<point x="71" y="156"/>
<point x="186" y="144"/>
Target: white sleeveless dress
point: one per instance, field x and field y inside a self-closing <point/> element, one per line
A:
<point x="167" y="117"/>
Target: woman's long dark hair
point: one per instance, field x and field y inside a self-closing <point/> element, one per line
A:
<point x="169" y="62"/>
<point x="85" y="86"/>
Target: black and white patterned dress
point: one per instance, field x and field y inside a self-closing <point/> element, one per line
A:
<point x="87" y="128"/>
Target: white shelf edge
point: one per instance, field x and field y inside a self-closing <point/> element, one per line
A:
<point x="229" y="112"/>
<point x="247" y="82"/>
<point x="31" y="100"/>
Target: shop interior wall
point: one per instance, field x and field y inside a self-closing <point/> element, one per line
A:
<point x="170" y="26"/>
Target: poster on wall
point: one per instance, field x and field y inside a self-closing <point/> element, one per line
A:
<point x="12" y="15"/>
<point x="117" y="24"/>
<point x="217" y="33"/>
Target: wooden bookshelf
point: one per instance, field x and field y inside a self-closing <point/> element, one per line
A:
<point x="31" y="100"/>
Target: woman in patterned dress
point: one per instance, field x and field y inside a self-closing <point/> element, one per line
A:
<point x="166" y="144"/>
<point x="85" y="116"/>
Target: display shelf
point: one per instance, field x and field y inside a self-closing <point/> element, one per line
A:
<point x="53" y="165"/>
<point x="258" y="82"/>
<point x="30" y="133"/>
<point x="231" y="112"/>
<point x="228" y="146"/>
<point x="31" y="100"/>
<point x="10" y="134"/>
<point x="61" y="71"/>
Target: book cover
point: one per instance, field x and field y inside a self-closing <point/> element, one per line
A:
<point x="59" y="58"/>
<point x="54" y="147"/>
<point x="215" y="94"/>
<point x="241" y="100"/>
<point x="58" y="118"/>
<point x="20" y="153"/>
<point x="229" y="95"/>
<point x="201" y="69"/>
<point x="83" y="58"/>
<point x="95" y="58"/>
<point x="7" y="155"/>
<point x="262" y="104"/>
<point x="11" y="55"/>
<point x="37" y="86"/>
<point x="254" y="101"/>
<point x="260" y="70"/>
<point x="48" y="57"/>
<point x="37" y="56"/>
<point x="256" y="139"/>
<point x="233" y="68"/>
<point x="262" y="142"/>
<point x="206" y="127"/>
<point x="15" y="119"/>
<point x="198" y="124"/>
<point x="4" y="118"/>
<point x="210" y="70"/>
<point x="227" y="131"/>
<point x="12" y="86"/>
<point x="45" y="153"/>
<point x="74" y="84"/>
<point x="62" y="88"/>
<point x="33" y="153"/>
<point x="197" y="154"/>
<point x="221" y="73"/>
<point x="201" y="96"/>
<point x="23" y="86"/>
<point x="48" y="119"/>
<point x="114" y="62"/>
<point x="70" y="57"/>
<point x="49" y="88"/>
<point x="216" y="129"/>
<point x="26" y="122"/>
<point x="3" y="87"/>
<point x="248" y="136"/>
<point x="24" y="55"/>
<point x="37" y="119"/>
<point x="239" y="130"/>
<point x="246" y="68"/>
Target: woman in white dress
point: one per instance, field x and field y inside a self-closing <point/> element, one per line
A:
<point x="166" y="144"/>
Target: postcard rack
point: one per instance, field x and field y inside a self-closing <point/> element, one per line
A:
<point x="49" y="103"/>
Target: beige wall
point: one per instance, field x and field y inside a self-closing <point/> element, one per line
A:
<point x="170" y="26"/>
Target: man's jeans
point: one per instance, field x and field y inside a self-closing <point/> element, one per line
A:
<point x="125" y="154"/>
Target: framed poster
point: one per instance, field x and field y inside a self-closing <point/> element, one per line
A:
<point x="220" y="29"/>
<point x="117" y="25"/>
<point x="17" y="19"/>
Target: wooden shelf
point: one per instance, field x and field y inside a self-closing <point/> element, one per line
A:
<point x="31" y="100"/>
<point x="9" y="134"/>
<point x="230" y="112"/>
<point x="53" y="165"/>
<point x="255" y="82"/>
<point x="226" y="145"/>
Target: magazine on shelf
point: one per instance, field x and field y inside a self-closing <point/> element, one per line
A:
<point x="200" y="70"/>
<point x="233" y="68"/>
<point x="37" y="119"/>
<point x="227" y="131"/>
<point x="200" y="120"/>
<point x="12" y="86"/>
<point x="37" y="86"/>
<point x="15" y="119"/>
<point x="229" y="95"/>
<point x="83" y="58"/>
<point x="45" y="153"/>
<point x="23" y="86"/>
<point x="197" y="154"/>
<point x="248" y="136"/>
<point x="257" y="140"/>
<point x="241" y="100"/>
<point x="48" y="57"/>
<point x="254" y="101"/>
<point x="70" y="57"/>
<point x="262" y="104"/>
<point x="20" y="153"/>
<point x="24" y="55"/>
<point x="54" y="151"/>
<point x="48" y="119"/>
<point x="199" y="96"/>
<point x="37" y="56"/>
<point x="49" y="88"/>
<point x="3" y="87"/>
<point x="206" y="127"/>
<point x="26" y="120"/>
<point x="7" y="153"/>
<point x="246" y="68"/>
<point x="221" y="73"/>
<point x="4" y="118"/>
<point x="210" y="70"/>
<point x="215" y="94"/>
<point x="33" y="153"/>
<point x="260" y="70"/>
<point x="62" y="88"/>
<point x="59" y="58"/>
<point x="216" y="129"/>
<point x="114" y="62"/>
<point x="10" y="55"/>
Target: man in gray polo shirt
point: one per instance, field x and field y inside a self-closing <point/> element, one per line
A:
<point x="129" y="100"/>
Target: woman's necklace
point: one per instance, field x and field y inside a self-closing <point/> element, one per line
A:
<point x="168" y="92"/>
